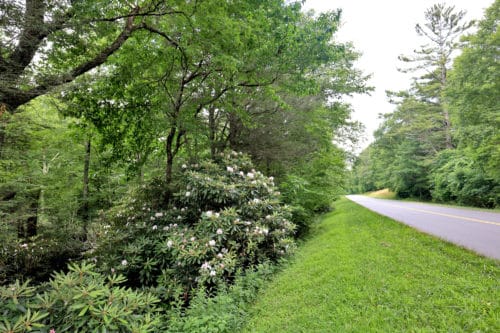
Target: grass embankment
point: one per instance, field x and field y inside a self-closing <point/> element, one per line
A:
<point x="382" y="194"/>
<point x="361" y="272"/>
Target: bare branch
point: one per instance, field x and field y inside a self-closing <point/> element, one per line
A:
<point x="149" y="28"/>
<point x="150" y="13"/>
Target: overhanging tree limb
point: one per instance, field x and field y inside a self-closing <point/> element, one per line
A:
<point x="34" y="30"/>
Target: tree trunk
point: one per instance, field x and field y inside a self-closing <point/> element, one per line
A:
<point x="211" y="133"/>
<point x="28" y="228"/>
<point x="447" y="128"/>
<point x="268" y="166"/>
<point x="446" y="115"/>
<point x="85" y="194"/>
<point x="3" y="124"/>
<point x="234" y="131"/>
<point x="170" y="155"/>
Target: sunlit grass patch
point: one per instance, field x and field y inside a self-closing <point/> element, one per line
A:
<point x="362" y="272"/>
<point x="382" y="194"/>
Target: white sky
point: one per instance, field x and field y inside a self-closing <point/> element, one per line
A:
<point x="382" y="30"/>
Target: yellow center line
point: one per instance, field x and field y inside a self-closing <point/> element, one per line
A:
<point x="449" y="215"/>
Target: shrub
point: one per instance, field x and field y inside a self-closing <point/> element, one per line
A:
<point x="225" y="312"/>
<point x="18" y="309"/>
<point x="78" y="301"/>
<point x="313" y="186"/>
<point x="223" y="216"/>
<point x="36" y="257"/>
<point x="457" y="178"/>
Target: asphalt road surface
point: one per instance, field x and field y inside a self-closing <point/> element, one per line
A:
<point x="476" y="230"/>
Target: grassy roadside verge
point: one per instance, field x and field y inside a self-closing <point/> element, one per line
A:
<point x="361" y="272"/>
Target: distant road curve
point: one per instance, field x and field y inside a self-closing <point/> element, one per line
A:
<point x="476" y="230"/>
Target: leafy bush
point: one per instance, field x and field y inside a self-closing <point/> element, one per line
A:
<point x="223" y="216"/>
<point x="226" y="311"/>
<point x="37" y="257"/>
<point x="18" y="309"/>
<point x="457" y="178"/>
<point x="78" y="301"/>
<point x="313" y="186"/>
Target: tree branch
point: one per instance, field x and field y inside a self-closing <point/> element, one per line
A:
<point x="103" y="56"/>
<point x="15" y="97"/>
<point x="149" y="28"/>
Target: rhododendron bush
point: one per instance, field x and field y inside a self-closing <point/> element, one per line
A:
<point x="80" y="300"/>
<point x="222" y="217"/>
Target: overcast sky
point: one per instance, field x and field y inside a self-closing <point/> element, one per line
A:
<point x="381" y="30"/>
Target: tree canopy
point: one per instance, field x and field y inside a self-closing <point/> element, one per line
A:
<point x="126" y="95"/>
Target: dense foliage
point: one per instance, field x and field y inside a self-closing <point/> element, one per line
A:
<point x="80" y="300"/>
<point x="117" y="126"/>
<point x="223" y="217"/>
<point x="441" y="142"/>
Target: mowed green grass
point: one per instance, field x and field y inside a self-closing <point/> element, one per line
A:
<point x="361" y="272"/>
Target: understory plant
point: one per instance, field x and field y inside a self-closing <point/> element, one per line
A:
<point x="225" y="312"/>
<point x="222" y="216"/>
<point x="80" y="300"/>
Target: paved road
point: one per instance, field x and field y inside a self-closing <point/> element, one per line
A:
<point x="474" y="229"/>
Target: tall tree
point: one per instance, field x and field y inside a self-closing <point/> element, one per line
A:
<point x="204" y="73"/>
<point x="472" y="94"/>
<point x="410" y="153"/>
<point x="443" y="26"/>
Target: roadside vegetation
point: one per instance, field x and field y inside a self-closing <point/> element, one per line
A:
<point x="160" y="159"/>
<point x="441" y="142"/>
<point x="172" y="152"/>
<point x="361" y="272"/>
